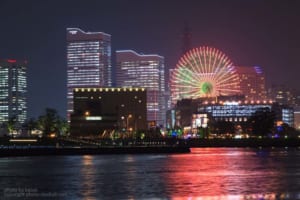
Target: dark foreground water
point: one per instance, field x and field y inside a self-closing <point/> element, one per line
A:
<point x="206" y="173"/>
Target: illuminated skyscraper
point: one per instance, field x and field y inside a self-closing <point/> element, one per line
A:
<point x="147" y="71"/>
<point x="88" y="61"/>
<point x="252" y="83"/>
<point x="13" y="89"/>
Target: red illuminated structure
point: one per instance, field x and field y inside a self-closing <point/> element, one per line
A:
<point x="203" y="72"/>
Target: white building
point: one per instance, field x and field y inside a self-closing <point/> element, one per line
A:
<point x="13" y="89"/>
<point x="147" y="71"/>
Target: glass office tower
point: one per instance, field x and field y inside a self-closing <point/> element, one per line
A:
<point x="13" y="89"/>
<point x="147" y="71"/>
<point x="88" y="61"/>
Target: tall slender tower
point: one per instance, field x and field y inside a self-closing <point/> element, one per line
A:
<point x="186" y="39"/>
<point x="148" y="71"/>
<point x="88" y="62"/>
<point x="13" y="89"/>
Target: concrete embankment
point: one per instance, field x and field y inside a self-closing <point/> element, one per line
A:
<point x="92" y="151"/>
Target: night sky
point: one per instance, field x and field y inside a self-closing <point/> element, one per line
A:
<point x="249" y="32"/>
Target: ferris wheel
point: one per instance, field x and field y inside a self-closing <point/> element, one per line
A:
<point x="203" y="72"/>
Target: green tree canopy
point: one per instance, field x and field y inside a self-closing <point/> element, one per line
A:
<point x="50" y="122"/>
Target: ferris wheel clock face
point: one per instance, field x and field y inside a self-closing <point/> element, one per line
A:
<point x="204" y="72"/>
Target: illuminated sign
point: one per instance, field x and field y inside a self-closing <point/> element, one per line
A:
<point x="92" y="118"/>
<point x="73" y="32"/>
<point x="23" y="140"/>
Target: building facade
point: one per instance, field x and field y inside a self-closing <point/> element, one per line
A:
<point x="137" y="70"/>
<point x="297" y="118"/>
<point x="252" y="83"/>
<point x="88" y="61"/>
<point x="192" y="114"/>
<point x="100" y="110"/>
<point x="13" y="90"/>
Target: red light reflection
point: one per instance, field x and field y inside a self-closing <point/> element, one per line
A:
<point x="220" y="173"/>
<point x="11" y="61"/>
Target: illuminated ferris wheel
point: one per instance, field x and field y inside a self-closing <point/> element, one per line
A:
<point x="203" y="72"/>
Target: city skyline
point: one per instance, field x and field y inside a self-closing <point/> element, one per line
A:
<point x="263" y="33"/>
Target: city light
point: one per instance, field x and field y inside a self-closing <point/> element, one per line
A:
<point x="23" y="140"/>
<point x="93" y="118"/>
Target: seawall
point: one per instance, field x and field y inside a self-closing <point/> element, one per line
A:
<point x="92" y="151"/>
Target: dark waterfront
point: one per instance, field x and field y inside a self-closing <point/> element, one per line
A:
<point x="205" y="173"/>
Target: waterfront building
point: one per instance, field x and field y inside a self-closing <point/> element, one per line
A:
<point x="139" y="70"/>
<point x="252" y="83"/>
<point x="13" y="90"/>
<point x="88" y="61"/>
<point x="297" y="118"/>
<point x="191" y="114"/>
<point x="101" y="110"/>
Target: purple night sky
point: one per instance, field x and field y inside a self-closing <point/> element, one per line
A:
<point x="250" y="32"/>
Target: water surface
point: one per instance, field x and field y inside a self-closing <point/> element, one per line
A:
<point x="205" y="173"/>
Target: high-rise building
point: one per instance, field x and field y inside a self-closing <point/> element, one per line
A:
<point x="147" y="71"/>
<point x="88" y="61"/>
<point x="13" y="89"/>
<point x="252" y="83"/>
<point x="283" y="95"/>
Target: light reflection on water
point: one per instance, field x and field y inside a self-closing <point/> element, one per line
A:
<point x="88" y="183"/>
<point x="206" y="173"/>
<point x="223" y="172"/>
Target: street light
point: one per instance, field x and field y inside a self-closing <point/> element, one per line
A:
<point x="127" y="121"/>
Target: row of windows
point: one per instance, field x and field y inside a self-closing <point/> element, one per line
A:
<point x="13" y="84"/>
<point x="84" y="63"/>
<point x="83" y="73"/>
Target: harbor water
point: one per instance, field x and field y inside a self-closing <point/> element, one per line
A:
<point x="205" y="173"/>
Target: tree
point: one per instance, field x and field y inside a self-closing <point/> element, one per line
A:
<point x="63" y="127"/>
<point x="11" y="124"/>
<point x="30" y="125"/>
<point x="286" y="130"/>
<point x="49" y="122"/>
